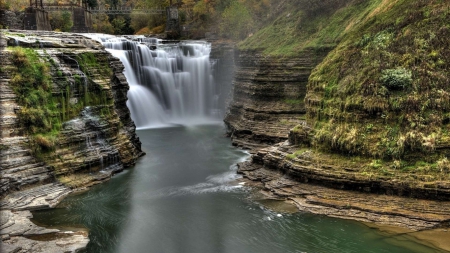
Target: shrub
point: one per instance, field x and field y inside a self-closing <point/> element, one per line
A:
<point x="61" y="21"/>
<point x="35" y="119"/>
<point x="236" y="21"/>
<point x="20" y="58"/>
<point x="44" y="142"/>
<point x="144" y="31"/>
<point x="395" y="79"/>
<point x="443" y="165"/>
<point x="300" y="134"/>
<point x="31" y="82"/>
<point x="158" y="29"/>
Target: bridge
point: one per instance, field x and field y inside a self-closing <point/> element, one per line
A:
<point x="103" y="10"/>
<point x="36" y="16"/>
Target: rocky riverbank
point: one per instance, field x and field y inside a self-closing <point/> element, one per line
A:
<point x="326" y="129"/>
<point x="92" y="135"/>
<point x="19" y="234"/>
<point x="315" y="188"/>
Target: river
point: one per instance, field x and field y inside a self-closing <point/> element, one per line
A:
<point x="182" y="197"/>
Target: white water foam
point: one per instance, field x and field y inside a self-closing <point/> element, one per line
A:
<point x="169" y="85"/>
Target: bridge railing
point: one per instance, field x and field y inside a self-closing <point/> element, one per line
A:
<point x="60" y="8"/>
<point x="120" y="10"/>
<point x="126" y="10"/>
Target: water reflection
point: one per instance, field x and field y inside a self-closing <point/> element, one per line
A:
<point x="178" y="199"/>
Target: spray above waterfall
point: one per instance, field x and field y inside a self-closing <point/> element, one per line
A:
<point x="169" y="83"/>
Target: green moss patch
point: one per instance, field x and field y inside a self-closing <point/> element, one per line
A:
<point x="31" y="82"/>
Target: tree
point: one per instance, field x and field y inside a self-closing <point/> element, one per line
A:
<point x="101" y="24"/>
<point x="237" y="21"/>
<point x="61" y="21"/>
<point x="139" y="21"/>
<point x="92" y="3"/>
<point x="118" y="25"/>
<point x="15" y="5"/>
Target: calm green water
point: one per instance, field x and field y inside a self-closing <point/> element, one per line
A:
<point x="179" y="199"/>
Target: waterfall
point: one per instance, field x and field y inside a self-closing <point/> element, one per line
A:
<point x="169" y="83"/>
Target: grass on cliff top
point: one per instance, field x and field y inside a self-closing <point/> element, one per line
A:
<point x="383" y="92"/>
<point x="303" y="25"/>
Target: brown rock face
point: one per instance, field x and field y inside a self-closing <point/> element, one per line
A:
<point x="268" y="96"/>
<point x="97" y="136"/>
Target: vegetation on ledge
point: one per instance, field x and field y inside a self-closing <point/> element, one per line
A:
<point x="31" y="81"/>
<point x="306" y="24"/>
<point x="383" y="93"/>
<point x="42" y="108"/>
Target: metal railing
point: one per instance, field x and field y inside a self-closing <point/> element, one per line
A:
<point x="70" y="7"/>
<point x="126" y="11"/>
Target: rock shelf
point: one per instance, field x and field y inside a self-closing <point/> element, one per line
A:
<point x="322" y="190"/>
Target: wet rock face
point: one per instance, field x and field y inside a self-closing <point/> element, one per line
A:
<point x="268" y="96"/>
<point x="97" y="136"/>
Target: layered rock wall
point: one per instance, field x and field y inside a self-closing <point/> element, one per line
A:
<point x="268" y="96"/>
<point x="97" y="136"/>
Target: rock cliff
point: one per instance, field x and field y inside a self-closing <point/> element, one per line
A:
<point x="95" y="133"/>
<point x="268" y="96"/>
<point x="370" y="88"/>
<point x="66" y="129"/>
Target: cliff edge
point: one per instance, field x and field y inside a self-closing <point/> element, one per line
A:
<point x="65" y="126"/>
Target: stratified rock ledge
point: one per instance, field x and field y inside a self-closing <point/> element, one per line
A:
<point x="281" y="179"/>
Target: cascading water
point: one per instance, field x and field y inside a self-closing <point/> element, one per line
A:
<point x="170" y="83"/>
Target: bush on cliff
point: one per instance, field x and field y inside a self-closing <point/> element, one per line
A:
<point x="396" y="79"/>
